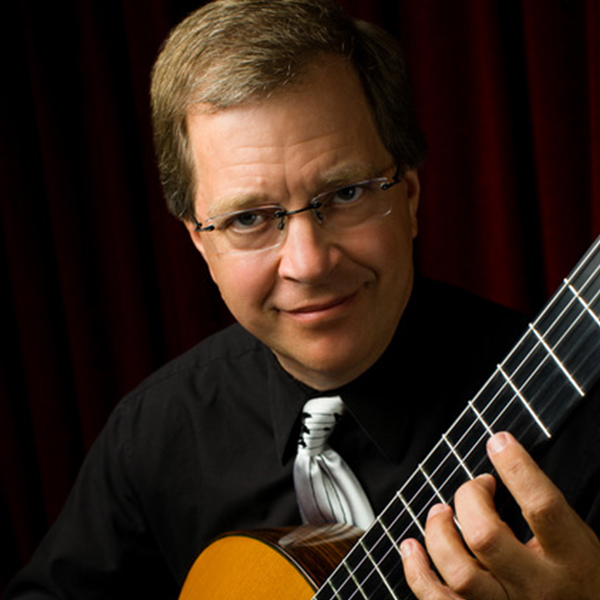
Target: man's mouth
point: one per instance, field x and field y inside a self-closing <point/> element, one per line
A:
<point x="322" y="310"/>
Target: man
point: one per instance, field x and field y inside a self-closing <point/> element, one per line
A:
<point x="288" y="147"/>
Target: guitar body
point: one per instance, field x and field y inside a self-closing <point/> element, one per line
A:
<point x="279" y="564"/>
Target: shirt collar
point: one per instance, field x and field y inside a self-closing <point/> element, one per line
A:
<point x="381" y="400"/>
<point x="287" y="398"/>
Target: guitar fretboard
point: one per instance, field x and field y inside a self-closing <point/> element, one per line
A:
<point x="530" y="394"/>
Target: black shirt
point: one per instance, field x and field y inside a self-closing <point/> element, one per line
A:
<point x="206" y="445"/>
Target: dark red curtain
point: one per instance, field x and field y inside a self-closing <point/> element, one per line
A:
<point x="102" y="286"/>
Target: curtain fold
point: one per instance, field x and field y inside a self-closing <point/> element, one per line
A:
<point x="102" y="286"/>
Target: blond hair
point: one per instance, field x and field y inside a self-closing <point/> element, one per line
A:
<point x="230" y="52"/>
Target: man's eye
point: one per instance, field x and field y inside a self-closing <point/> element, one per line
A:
<point x="346" y="195"/>
<point x="247" y="221"/>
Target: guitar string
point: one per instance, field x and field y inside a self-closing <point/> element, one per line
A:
<point x="583" y="264"/>
<point x="587" y="311"/>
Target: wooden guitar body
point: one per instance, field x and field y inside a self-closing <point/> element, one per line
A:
<point x="271" y="564"/>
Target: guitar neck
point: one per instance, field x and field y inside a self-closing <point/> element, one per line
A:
<point x="530" y="394"/>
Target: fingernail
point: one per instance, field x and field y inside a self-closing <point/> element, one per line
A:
<point x="406" y="548"/>
<point x="497" y="442"/>
<point x="488" y="481"/>
<point x="436" y="509"/>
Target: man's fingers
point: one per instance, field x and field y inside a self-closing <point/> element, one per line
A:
<point x="478" y="556"/>
<point x="554" y="523"/>
<point x="419" y="575"/>
<point x="459" y="569"/>
<point x="488" y="537"/>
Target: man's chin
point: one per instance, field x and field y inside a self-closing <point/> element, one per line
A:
<point x="325" y="368"/>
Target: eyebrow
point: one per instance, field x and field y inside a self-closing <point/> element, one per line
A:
<point x="236" y="203"/>
<point x="337" y="177"/>
<point x="350" y="174"/>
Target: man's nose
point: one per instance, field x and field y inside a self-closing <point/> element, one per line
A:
<point x="307" y="253"/>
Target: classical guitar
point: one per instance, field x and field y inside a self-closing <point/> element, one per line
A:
<point x="547" y="373"/>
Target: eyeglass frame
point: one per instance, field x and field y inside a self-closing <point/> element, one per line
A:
<point x="314" y="204"/>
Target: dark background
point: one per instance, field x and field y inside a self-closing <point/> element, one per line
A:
<point x="101" y="286"/>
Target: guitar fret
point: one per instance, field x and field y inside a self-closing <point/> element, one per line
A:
<point x="587" y="263"/>
<point x="471" y="447"/>
<point x="446" y="474"/>
<point x="383" y="551"/>
<point x="357" y="585"/>
<point x="520" y="396"/>
<point x="343" y="582"/>
<point x="536" y="376"/>
<point x="571" y="326"/>
<point x="437" y="491"/>
<point x="352" y="577"/>
<point x="410" y="511"/>
<point x="585" y="305"/>
<point x="386" y="531"/>
<point x="379" y="573"/>
<point x="431" y="484"/>
<point x="335" y="592"/>
<point x="480" y="418"/>
<point x="396" y="524"/>
<point x="388" y="557"/>
<point x="458" y="457"/>
<point x="557" y="360"/>
<point x="369" y="567"/>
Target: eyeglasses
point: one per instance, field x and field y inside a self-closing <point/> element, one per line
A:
<point x="262" y="228"/>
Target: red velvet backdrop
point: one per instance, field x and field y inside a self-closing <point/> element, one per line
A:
<point x="102" y="286"/>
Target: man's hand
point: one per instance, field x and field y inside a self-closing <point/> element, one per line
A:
<point x="561" y="561"/>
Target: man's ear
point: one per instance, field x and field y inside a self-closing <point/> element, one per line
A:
<point x="198" y="243"/>
<point x="195" y="237"/>
<point x="413" y="192"/>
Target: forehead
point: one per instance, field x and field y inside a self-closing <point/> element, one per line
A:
<point x="319" y="132"/>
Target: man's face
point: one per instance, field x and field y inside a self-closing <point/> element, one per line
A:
<point x="326" y="304"/>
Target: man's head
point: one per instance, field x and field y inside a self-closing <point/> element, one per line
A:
<point x="322" y="282"/>
<point x="230" y="52"/>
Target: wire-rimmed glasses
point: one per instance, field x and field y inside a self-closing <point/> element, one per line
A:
<point x="263" y="227"/>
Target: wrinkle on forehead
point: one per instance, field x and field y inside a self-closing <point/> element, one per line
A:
<point x="289" y="147"/>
